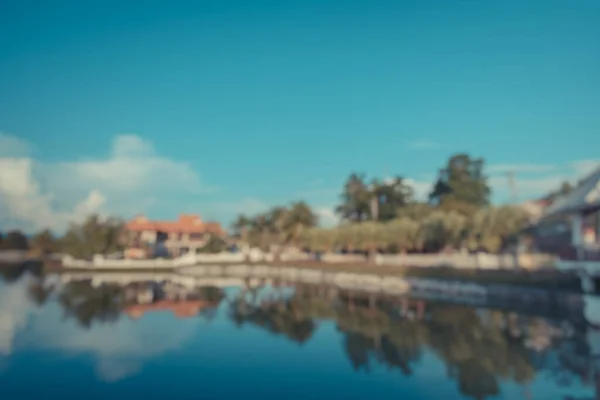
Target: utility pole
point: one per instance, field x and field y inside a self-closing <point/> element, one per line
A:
<point x="512" y="186"/>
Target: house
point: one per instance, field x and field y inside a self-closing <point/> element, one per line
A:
<point x="570" y="226"/>
<point x="534" y="209"/>
<point x="187" y="234"/>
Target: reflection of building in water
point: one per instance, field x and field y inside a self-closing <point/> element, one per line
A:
<point x="181" y="309"/>
<point x="183" y="301"/>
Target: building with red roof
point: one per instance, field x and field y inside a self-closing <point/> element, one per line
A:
<point x="187" y="234"/>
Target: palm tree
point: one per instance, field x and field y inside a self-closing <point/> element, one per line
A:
<point x="299" y="218"/>
<point x="241" y="226"/>
<point x="94" y="236"/>
<point x="259" y="232"/>
<point x="276" y="222"/>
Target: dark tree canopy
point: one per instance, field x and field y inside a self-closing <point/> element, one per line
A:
<point x="45" y="242"/>
<point x="355" y="199"/>
<point x="15" y="240"/>
<point x="462" y="181"/>
<point x="391" y="195"/>
<point x="378" y="201"/>
<point x="215" y="244"/>
<point x="281" y="225"/>
<point x="94" y="236"/>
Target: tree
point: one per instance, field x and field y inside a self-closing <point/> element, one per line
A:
<point x="462" y="181"/>
<point x="495" y="224"/>
<point x="259" y="232"/>
<point x="276" y="223"/>
<point x="89" y="304"/>
<point x="15" y="240"/>
<point x="402" y="234"/>
<point x="44" y="242"/>
<point x="356" y="199"/>
<point x="442" y="229"/>
<point x="94" y="236"/>
<point x="391" y="195"/>
<point x="372" y="236"/>
<point x="215" y="244"/>
<point x="318" y="239"/>
<point x="415" y="211"/>
<point x="241" y="226"/>
<point x="299" y="218"/>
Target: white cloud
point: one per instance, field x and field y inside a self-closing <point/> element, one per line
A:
<point x="327" y="216"/>
<point x="129" y="180"/>
<point x="421" y="188"/>
<point x="11" y="146"/>
<point x="516" y="168"/>
<point x="132" y="166"/>
<point x="15" y="308"/>
<point x="424" y="144"/>
<point x="582" y="168"/>
<point x="24" y="206"/>
<point x="120" y="349"/>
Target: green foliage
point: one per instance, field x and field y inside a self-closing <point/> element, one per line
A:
<point x="402" y="234"/>
<point x="15" y="240"/>
<point x="215" y="244"/>
<point x="377" y="201"/>
<point x="478" y="352"/>
<point x="88" y="304"/>
<point x="94" y="236"/>
<point x="355" y="199"/>
<point x="462" y="180"/>
<point x="278" y="226"/>
<point x="44" y="242"/>
<point x="438" y="229"/>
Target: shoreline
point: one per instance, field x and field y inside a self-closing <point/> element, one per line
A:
<point x="547" y="279"/>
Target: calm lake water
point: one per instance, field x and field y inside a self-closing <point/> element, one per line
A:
<point x="148" y="340"/>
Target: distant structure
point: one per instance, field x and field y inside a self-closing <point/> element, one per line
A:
<point x="187" y="234"/>
<point x="512" y="186"/>
<point x="570" y="226"/>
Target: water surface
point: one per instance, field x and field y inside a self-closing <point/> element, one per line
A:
<point x="158" y="340"/>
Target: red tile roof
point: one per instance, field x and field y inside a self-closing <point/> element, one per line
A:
<point x="185" y="224"/>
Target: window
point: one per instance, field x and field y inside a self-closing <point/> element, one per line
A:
<point x="591" y="228"/>
<point x="196" y="236"/>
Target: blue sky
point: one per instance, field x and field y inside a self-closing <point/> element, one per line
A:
<point x="263" y="102"/>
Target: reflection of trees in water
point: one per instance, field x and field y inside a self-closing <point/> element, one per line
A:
<point x="89" y="304"/>
<point x="105" y="303"/>
<point x="478" y="351"/>
<point x="477" y="354"/>
<point x="11" y="273"/>
<point x="282" y="318"/>
<point x="212" y="295"/>
<point x="38" y="292"/>
<point x="273" y="313"/>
